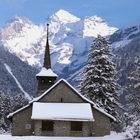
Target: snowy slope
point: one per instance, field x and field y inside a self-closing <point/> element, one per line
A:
<point x="27" y="96"/>
<point x="70" y="38"/>
<point x="96" y="25"/>
<point x="65" y="17"/>
<point x="16" y="76"/>
<point x="113" y="136"/>
<point x="125" y="35"/>
<point x="19" y="36"/>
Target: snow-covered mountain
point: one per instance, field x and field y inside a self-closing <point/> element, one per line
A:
<point x="70" y="38"/>
<point x="125" y="35"/>
<point x="96" y="25"/>
<point x="126" y="47"/>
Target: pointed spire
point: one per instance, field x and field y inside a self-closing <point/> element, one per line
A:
<point x="47" y="60"/>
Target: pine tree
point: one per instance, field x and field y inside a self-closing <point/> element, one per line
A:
<point x="133" y="100"/>
<point x="98" y="83"/>
<point x="133" y="89"/>
<point x="9" y="104"/>
<point x="4" y="109"/>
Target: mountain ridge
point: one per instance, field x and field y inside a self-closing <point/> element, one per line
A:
<point x="68" y="39"/>
<point x="69" y="42"/>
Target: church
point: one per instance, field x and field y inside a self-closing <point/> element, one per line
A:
<point x="59" y="109"/>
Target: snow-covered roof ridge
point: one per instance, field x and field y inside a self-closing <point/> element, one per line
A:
<point x="84" y="98"/>
<point x="46" y="72"/>
<point x="11" y="114"/>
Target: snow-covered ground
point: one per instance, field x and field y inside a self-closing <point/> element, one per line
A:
<point x="113" y="136"/>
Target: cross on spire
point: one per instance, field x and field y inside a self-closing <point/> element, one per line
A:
<point x="47" y="59"/>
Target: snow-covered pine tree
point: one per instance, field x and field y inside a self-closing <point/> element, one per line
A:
<point x="133" y="130"/>
<point x="133" y="99"/>
<point x="4" y="109"/>
<point x="98" y="81"/>
<point x="133" y="89"/>
<point x="9" y="104"/>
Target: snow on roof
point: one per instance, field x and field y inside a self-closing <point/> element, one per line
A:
<point x="62" y="111"/>
<point x="46" y="72"/>
<point x="84" y="98"/>
<point x="11" y="114"/>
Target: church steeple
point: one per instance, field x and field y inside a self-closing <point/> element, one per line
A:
<point x="46" y="77"/>
<point x="47" y="59"/>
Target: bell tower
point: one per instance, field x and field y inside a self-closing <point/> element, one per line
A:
<point x="46" y="77"/>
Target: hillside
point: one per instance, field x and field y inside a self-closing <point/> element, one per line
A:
<point x="14" y="72"/>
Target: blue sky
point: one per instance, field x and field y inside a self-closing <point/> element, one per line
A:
<point x="116" y="12"/>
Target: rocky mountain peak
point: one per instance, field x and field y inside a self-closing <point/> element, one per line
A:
<point x="14" y="27"/>
<point x="125" y="34"/>
<point x="65" y="17"/>
<point x="96" y="19"/>
<point x="95" y="25"/>
<point x="17" y="20"/>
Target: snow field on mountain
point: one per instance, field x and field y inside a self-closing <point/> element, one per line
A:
<point x="96" y="25"/>
<point x="66" y="17"/>
<point x="66" y="53"/>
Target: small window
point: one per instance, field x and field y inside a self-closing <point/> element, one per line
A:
<point x="27" y="126"/>
<point x="76" y="126"/>
<point x="43" y="81"/>
<point x="61" y="100"/>
<point x="47" y="125"/>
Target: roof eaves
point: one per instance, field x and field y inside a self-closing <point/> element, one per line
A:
<point x="13" y="113"/>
